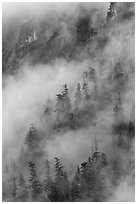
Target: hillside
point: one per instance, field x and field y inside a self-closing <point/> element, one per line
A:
<point x="69" y="103"/>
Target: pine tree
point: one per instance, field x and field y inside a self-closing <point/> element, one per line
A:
<point x="59" y="107"/>
<point x="14" y="188"/>
<point x="92" y="73"/>
<point x="66" y="100"/>
<point x="48" y="170"/>
<point x="61" y="181"/>
<point x="22" y="192"/>
<point x="48" y="184"/>
<point x="118" y="74"/>
<point x="35" y="186"/>
<point x="92" y="76"/>
<point x="59" y="169"/>
<point x="117" y="109"/>
<point x="85" y="91"/>
<point x="83" y="168"/>
<point x="76" y="185"/>
<point x="78" y="96"/>
<point x="49" y="108"/>
<point x="78" y="173"/>
<point x="63" y="105"/>
<point x="84" y="178"/>
<point x="31" y="137"/>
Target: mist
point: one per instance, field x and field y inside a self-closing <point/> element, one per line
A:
<point x="30" y="87"/>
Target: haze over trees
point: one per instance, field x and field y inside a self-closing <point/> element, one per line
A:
<point x="74" y="138"/>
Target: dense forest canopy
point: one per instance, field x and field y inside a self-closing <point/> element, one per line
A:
<point x="68" y="102"/>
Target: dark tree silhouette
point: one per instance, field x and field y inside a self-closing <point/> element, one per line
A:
<point x="78" y="96"/>
<point x="35" y="186"/>
<point x="85" y="90"/>
<point x="63" y="105"/>
<point x="76" y="185"/>
<point x="61" y="181"/>
<point x="32" y="137"/>
<point x="66" y="101"/>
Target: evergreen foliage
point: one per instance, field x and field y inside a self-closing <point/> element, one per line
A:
<point x="88" y="181"/>
<point x="35" y="186"/>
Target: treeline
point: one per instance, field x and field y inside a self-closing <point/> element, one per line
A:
<point x="87" y="182"/>
<point x="75" y="114"/>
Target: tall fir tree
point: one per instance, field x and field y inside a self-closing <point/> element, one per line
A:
<point x="85" y="91"/>
<point x="14" y="189"/>
<point x="76" y="185"/>
<point x="78" y="96"/>
<point x="59" y="107"/>
<point x="66" y="100"/>
<point x="59" y="169"/>
<point x="48" y="184"/>
<point x="35" y="186"/>
<point x="48" y="170"/>
<point x="32" y="137"/>
<point x="62" y="182"/>
<point x="49" y="108"/>
<point x="63" y="105"/>
<point x="22" y="191"/>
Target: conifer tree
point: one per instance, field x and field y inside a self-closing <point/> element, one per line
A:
<point x="31" y="137"/>
<point x="61" y="181"/>
<point x="48" y="184"/>
<point x="48" y="170"/>
<point x="76" y="185"/>
<point x="84" y="175"/>
<point x="63" y="105"/>
<point x="22" y="192"/>
<point x="14" y="188"/>
<point x="78" y="173"/>
<point x="66" y="100"/>
<point x="59" y="107"/>
<point x="49" y="108"/>
<point x="92" y="73"/>
<point x="93" y="77"/>
<point x="59" y="169"/>
<point x="35" y="186"/>
<point x="85" y="90"/>
<point x="78" y="96"/>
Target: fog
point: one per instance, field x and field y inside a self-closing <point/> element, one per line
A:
<point x="11" y="10"/>
<point x="26" y="92"/>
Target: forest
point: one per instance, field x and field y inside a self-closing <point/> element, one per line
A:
<point x="88" y="181"/>
<point x="68" y="105"/>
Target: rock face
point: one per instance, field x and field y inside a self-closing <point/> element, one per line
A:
<point x="26" y="41"/>
<point x="84" y="30"/>
<point x="40" y="41"/>
<point x="33" y="44"/>
<point x="111" y="12"/>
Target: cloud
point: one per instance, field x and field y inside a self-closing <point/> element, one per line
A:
<point x="36" y="9"/>
<point x="25" y="93"/>
<point x="125" y="192"/>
